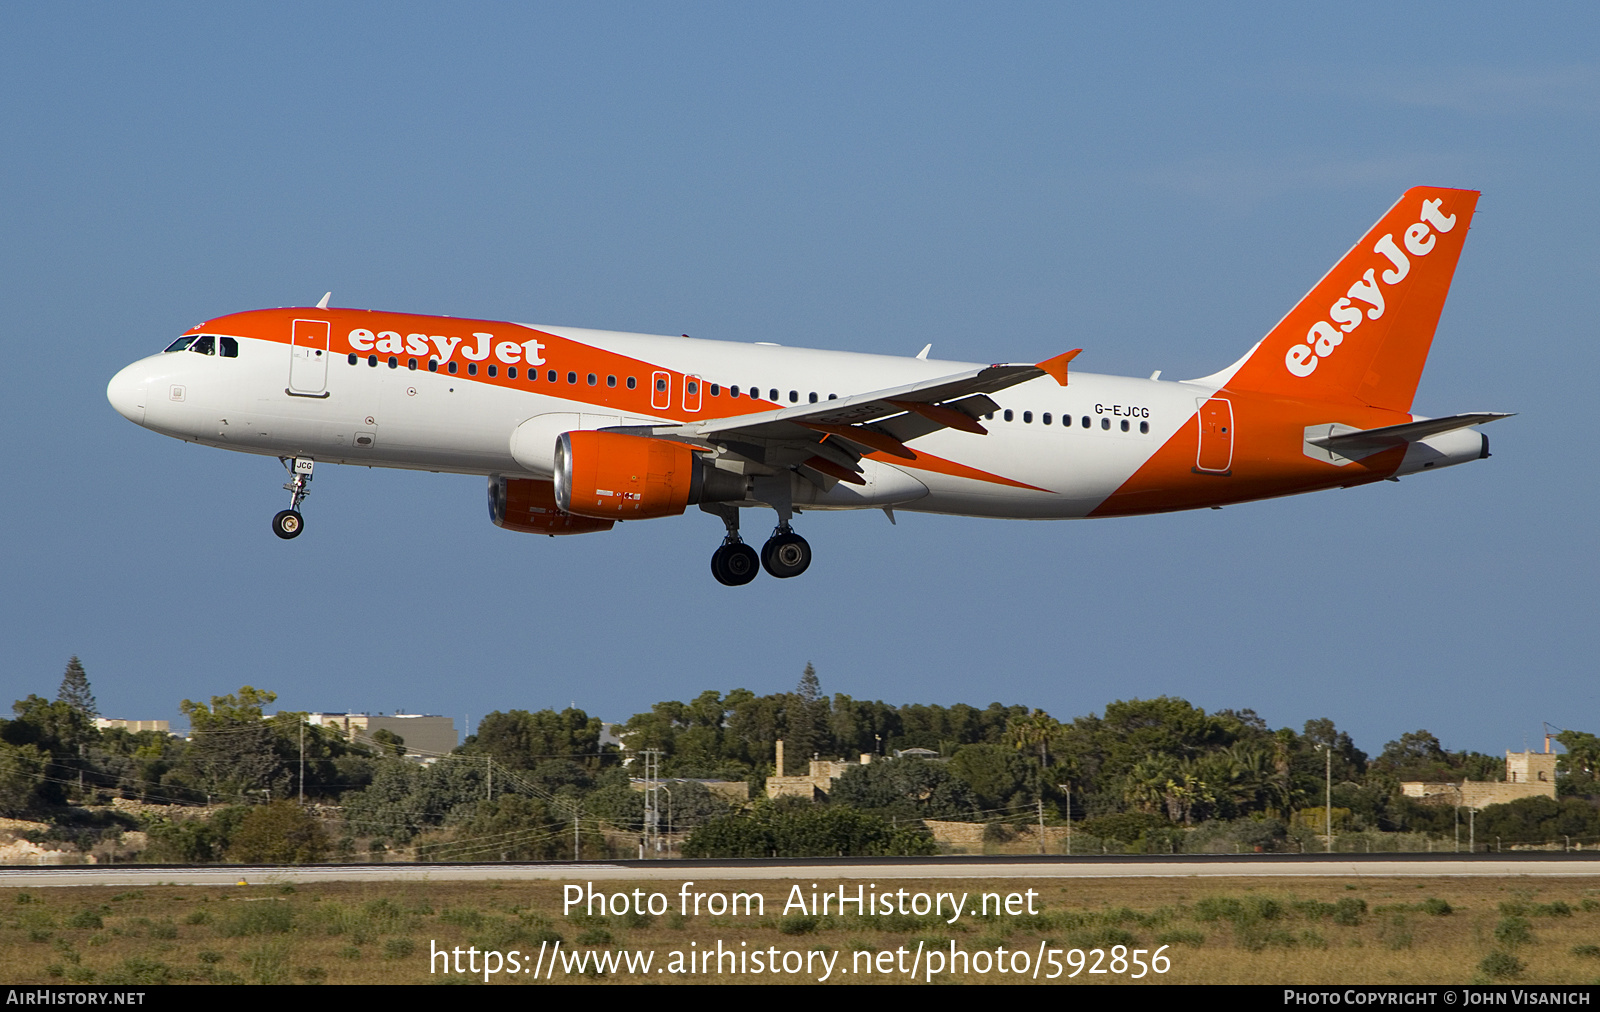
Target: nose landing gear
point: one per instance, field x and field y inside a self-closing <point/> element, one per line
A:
<point x="289" y="523"/>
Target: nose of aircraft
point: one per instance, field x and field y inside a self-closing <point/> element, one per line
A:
<point x="126" y="393"/>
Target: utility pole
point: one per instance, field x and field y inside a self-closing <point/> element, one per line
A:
<point x="302" y="764"/>
<point x="1068" y="789"/>
<point x="1327" y="795"/>
<point x="1458" y="818"/>
<point x="652" y="799"/>
<point x="1041" y="822"/>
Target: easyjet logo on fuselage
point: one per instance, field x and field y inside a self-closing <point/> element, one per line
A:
<point x="389" y="342"/>
<point x="1323" y="337"/>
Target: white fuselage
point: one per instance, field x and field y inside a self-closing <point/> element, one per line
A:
<point x="411" y="418"/>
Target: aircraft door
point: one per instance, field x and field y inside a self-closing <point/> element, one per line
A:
<point x="1216" y="436"/>
<point x="691" y="393"/>
<point x="308" y="358"/>
<point x="661" y="391"/>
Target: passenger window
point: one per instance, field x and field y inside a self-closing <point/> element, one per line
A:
<point x="1144" y="428"/>
<point x="552" y="376"/>
<point x="1124" y="425"/>
<point x="989" y="416"/>
<point x="592" y="379"/>
<point x="572" y="377"/>
<point x="794" y="397"/>
<point x="733" y="391"/>
<point x="1105" y="423"/>
<point x="1046" y="418"/>
<point x="1008" y="414"/>
<point x="772" y="395"/>
<point x="1086" y="421"/>
<point x="204" y="345"/>
<point x="433" y="365"/>
<point x="181" y="343"/>
<point x="833" y="397"/>
<point x="661" y="385"/>
<point x="452" y="368"/>
<point x="230" y="348"/>
<point x="715" y="390"/>
<point x="511" y="372"/>
<point x="1027" y="417"/>
<point x="693" y="388"/>
<point x="493" y="371"/>
<point x="472" y="368"/>
<point x="372" y="360"/>
<point x="611" y="381"/>
<point x="632" y="383"/>
<point x="813" y="397"/>
<point x="394" y="363"/>
<point x="352" y="358"/>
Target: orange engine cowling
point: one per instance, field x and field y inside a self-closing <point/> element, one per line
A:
<point x="614" y="475"/>
<point x="529" y="505"/>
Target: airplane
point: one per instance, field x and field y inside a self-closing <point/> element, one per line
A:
<point x="579" y="429"/>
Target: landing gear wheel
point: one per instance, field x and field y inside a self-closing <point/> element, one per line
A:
<point x="786" y="554"/>
<point x="735" y="565"/>
<point x="288" y="524"/>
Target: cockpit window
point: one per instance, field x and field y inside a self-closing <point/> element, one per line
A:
<point x="205" y="344"/>
<point x="230" y="347"/>
<point x="181" y="343"/>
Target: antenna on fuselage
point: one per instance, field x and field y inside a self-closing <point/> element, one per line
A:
<point x="323" y="302"/>
<point x="923" y="354"/>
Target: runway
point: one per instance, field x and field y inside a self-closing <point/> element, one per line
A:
<point x="1354" y="866"/>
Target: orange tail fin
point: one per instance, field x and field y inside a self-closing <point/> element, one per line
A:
<point x="1364" y="331"/>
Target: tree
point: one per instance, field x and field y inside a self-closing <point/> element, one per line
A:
<point x="1579" y="766"/>
<point x="807" y="722"/>
<point x="74" y="690"/>
<point x="233" y="748"/>
<point x="279" y="833"/>
<point x="906" y="788"/>
<point x="522" y="740"/>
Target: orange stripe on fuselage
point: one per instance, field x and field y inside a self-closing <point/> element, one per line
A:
<point x="928" y="462"/>
<point x="1269" y="458"/>
<point x="560" y="354"/>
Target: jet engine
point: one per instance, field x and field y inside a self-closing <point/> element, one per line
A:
<point x="529" y="505"/>
<point x="612" y="475"/>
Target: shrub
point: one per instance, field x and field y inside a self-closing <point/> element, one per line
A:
<point x="1513" y="931"/>
<point x="1501" y="966"/>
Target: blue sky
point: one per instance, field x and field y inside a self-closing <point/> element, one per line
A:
<point x="1156" y="184"/>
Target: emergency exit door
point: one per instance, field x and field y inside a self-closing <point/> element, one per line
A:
<point x="308" y="358"/>
<point x="1215" y="455"/>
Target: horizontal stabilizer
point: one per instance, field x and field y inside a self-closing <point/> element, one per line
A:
<point x="1354" y="444"/>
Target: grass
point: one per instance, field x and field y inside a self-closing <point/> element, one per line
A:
<point x="1306" y="931"/>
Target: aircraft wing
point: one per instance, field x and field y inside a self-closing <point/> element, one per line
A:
<point x="830" y="437"/>
<point x="1357" y="443"/>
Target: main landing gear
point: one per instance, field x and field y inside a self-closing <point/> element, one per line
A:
<point x="735" y="564"/>
<point x="289" y="523"/>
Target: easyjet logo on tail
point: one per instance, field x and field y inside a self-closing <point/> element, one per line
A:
<point x="1366" y="295"/>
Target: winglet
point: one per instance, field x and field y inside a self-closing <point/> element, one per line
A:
<point x="1056" y="368"/>
<point x="323" y="302"/>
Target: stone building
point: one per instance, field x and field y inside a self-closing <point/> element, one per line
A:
<point x="816" y="784"/>
<point x="1528" y="775"/>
